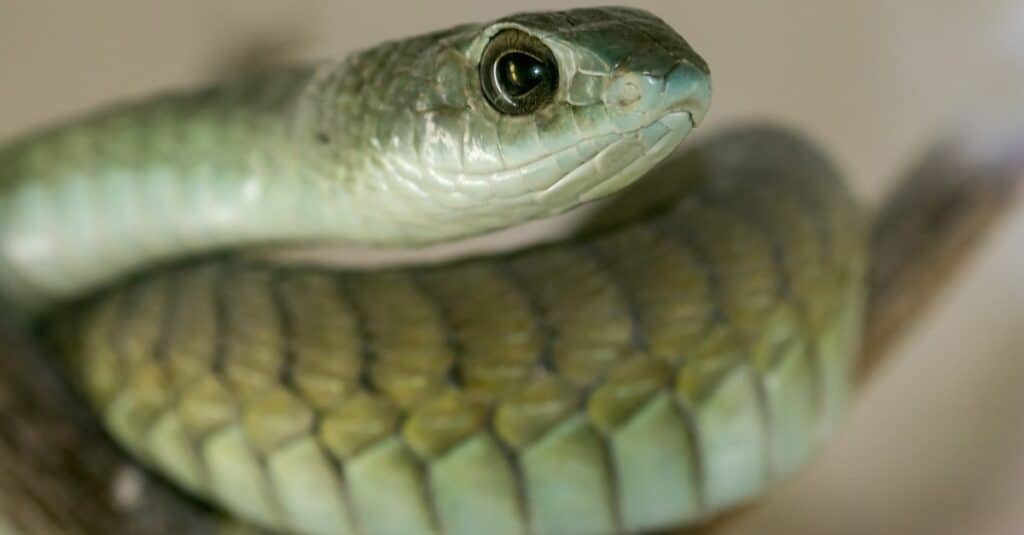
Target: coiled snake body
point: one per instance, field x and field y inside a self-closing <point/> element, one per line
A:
<point x="651" y="372"/>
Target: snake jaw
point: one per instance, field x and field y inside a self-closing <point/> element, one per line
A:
<point x="622" y="161"/>
<point x="653" y="114"/>
<point x="655" y="153"/>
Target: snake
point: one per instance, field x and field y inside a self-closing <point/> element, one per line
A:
<point x="647" y="372"/>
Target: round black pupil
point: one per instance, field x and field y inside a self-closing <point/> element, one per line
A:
<point x="519" y="73"/>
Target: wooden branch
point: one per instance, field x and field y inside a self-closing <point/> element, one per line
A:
<point x="928" y="229"/>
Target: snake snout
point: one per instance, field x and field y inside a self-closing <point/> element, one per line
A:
<point x="688" y="88"/>
<point x="639" y="99"/>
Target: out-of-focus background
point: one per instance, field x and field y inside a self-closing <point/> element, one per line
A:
<point x="935" y="443"/>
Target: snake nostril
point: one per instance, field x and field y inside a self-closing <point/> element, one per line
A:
<point x="629" y="94"/>
<point x="627" y="91"/>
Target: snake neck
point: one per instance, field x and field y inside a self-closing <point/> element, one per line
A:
<point x="396" y="145"/>
<point x="146" y="182"/>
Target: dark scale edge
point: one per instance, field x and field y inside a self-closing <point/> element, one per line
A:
<point x="274" y="282"/>
<point x="516" y="468"/>
<point x="817" y="196"/>
<point x="612" y="472"/>
<point x="285" y="325"/>
<point x="606" y="266"/>
<point x="223" y="319"/>
<point x="176" y="397"/>
<point x="165" y="285"/>
<point x="362" y="327"/>
<point x="169" y="317"/>
<point x="781" y="277"/>
<point x="338" y="469"/>
<point x="776" y="239"/>
<point x="698" y="251"/>
<point x="547" y="332"/>
<point x="693" y="440"/>
<point x="452" y="336"/>
<point x="638" y="342"/>
<point x="369" y="355"/>
<point x="455" y="344"/>
<point x="125" y="305"/>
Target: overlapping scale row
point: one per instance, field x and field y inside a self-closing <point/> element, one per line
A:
<point x="324" y="342"/>
<point x="646" y="376"/>
<point x="498" y="336"/>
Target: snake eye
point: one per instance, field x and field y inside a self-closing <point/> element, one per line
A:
<point x="518" y="73"/>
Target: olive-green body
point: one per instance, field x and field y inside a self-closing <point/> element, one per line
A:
<point x="645" y="375"/>
<point x="649" y="373"/>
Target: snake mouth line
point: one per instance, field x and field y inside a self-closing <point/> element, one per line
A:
<point x="670" y="120"/>
<point x="677" y="125"/>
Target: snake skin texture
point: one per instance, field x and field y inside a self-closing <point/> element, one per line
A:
<point x="645" y="376"/>
<point x="653" y="371"/>
<point x="394" y="145"/>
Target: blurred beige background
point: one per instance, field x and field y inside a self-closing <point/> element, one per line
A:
<point x="934" y="444"/>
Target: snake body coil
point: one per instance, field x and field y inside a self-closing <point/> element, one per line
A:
<point x="648" y="373"/>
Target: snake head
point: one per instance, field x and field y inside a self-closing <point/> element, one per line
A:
<point x="488" y="125"/>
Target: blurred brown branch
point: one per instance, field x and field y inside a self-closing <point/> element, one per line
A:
<point x="59" y="473"/>
<point x="925" y="233"/>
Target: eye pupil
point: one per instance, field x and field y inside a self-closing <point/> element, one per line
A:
<point x="519" y="73"/>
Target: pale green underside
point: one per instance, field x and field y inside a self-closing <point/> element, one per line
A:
<point x="650" y="376"/>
